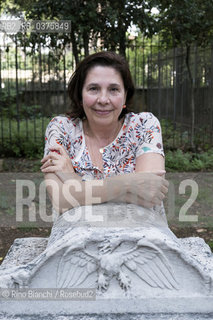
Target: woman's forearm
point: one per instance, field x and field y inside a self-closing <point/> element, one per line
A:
<point x="68" y="190"/>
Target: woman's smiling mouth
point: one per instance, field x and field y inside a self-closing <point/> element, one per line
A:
<point x="102" y="112"/>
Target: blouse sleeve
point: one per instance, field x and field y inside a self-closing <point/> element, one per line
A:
<point x="55" y="134"/>
<point x="148" y="134"/>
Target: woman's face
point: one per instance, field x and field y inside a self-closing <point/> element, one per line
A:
<point x="103" y="95"/>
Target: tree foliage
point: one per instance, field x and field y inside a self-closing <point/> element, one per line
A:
<point x="91" y="21"/>
<point x="177" y="21"/>
<point x="185" y="21"/>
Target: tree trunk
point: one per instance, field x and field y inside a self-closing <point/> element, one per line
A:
<point x="40" y="66"/>
<point x="74" y="44"/>
<point x="122" y="28"/>
<point x="122" y="42"/>
<point x="192" y="95"/>
<point x="86" y="43"/>
<point x="0" y="70"/>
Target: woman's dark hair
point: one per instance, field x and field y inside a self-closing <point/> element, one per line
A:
<point x="103" y="58"/>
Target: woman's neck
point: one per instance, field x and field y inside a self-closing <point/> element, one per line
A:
<point x="102" y="134"/>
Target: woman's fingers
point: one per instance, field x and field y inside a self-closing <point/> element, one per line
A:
<point x="166" y="183"/>
<point x="161" y="196"/>
<point x="157" y="172"/>
<point x="51" y="155"/>
<point x="50" y="169"/>
<point x="48" y="163"/>
<point x="57" y="160"/>
<point x="151" y="188"/>
<point x="149" y="204"/>
<point x="164" y="190"/>
<point x="51" y="160"/>
<point x="44" y="159"/>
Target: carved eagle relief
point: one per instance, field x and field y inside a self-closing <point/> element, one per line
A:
<point x="113" y="258"/>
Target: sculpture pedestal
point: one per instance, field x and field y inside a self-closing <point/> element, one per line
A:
<point x="84" y="269"/>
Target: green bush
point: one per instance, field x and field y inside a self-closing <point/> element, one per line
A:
<point x="7" y="101"/>
<point x="9" y="107"/>
<point x="19" y="147"/>
<point x="188" y="161"/>
<point x="27" y="142"/>
<point x="175" y="160"/>
<point x="175" y="137"/>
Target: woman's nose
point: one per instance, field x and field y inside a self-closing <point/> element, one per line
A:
<point x="103" y="97"/>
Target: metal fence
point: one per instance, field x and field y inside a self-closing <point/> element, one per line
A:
<point x="168" y="93"/>
<point x="33" y="88"/>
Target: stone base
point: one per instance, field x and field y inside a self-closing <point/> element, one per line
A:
<point x="182" y="305"/>
<point x="128" y="316"/>
<point x="169" y="308"/>
<point x="139" y="270"/>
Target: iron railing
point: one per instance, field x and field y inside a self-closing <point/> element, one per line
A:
<point x="33" y="88"/>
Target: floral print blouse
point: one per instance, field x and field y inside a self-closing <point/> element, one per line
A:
<point x="140" y="133"/>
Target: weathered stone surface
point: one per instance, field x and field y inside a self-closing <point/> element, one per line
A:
<point x="23" y="251"/>
<point x="137" y="269"/>
<point x="113" y="317"/>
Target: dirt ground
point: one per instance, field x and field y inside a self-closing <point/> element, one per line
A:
<point x="189" y="198"/>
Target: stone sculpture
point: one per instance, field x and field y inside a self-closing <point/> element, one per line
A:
<point x="136" y="267"/>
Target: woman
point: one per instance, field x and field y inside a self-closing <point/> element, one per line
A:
<point x="101" y="145"/>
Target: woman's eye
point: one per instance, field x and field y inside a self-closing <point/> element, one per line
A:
<point x="114" y="89"/>
<point x="93" y="89"/>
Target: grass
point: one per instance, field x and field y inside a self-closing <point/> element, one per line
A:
<point x="199" y="189"/>
<point x="28" y="128"/>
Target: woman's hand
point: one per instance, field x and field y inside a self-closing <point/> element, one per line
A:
<point x="150" y="188"/>
<point x="57" y="161"/>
